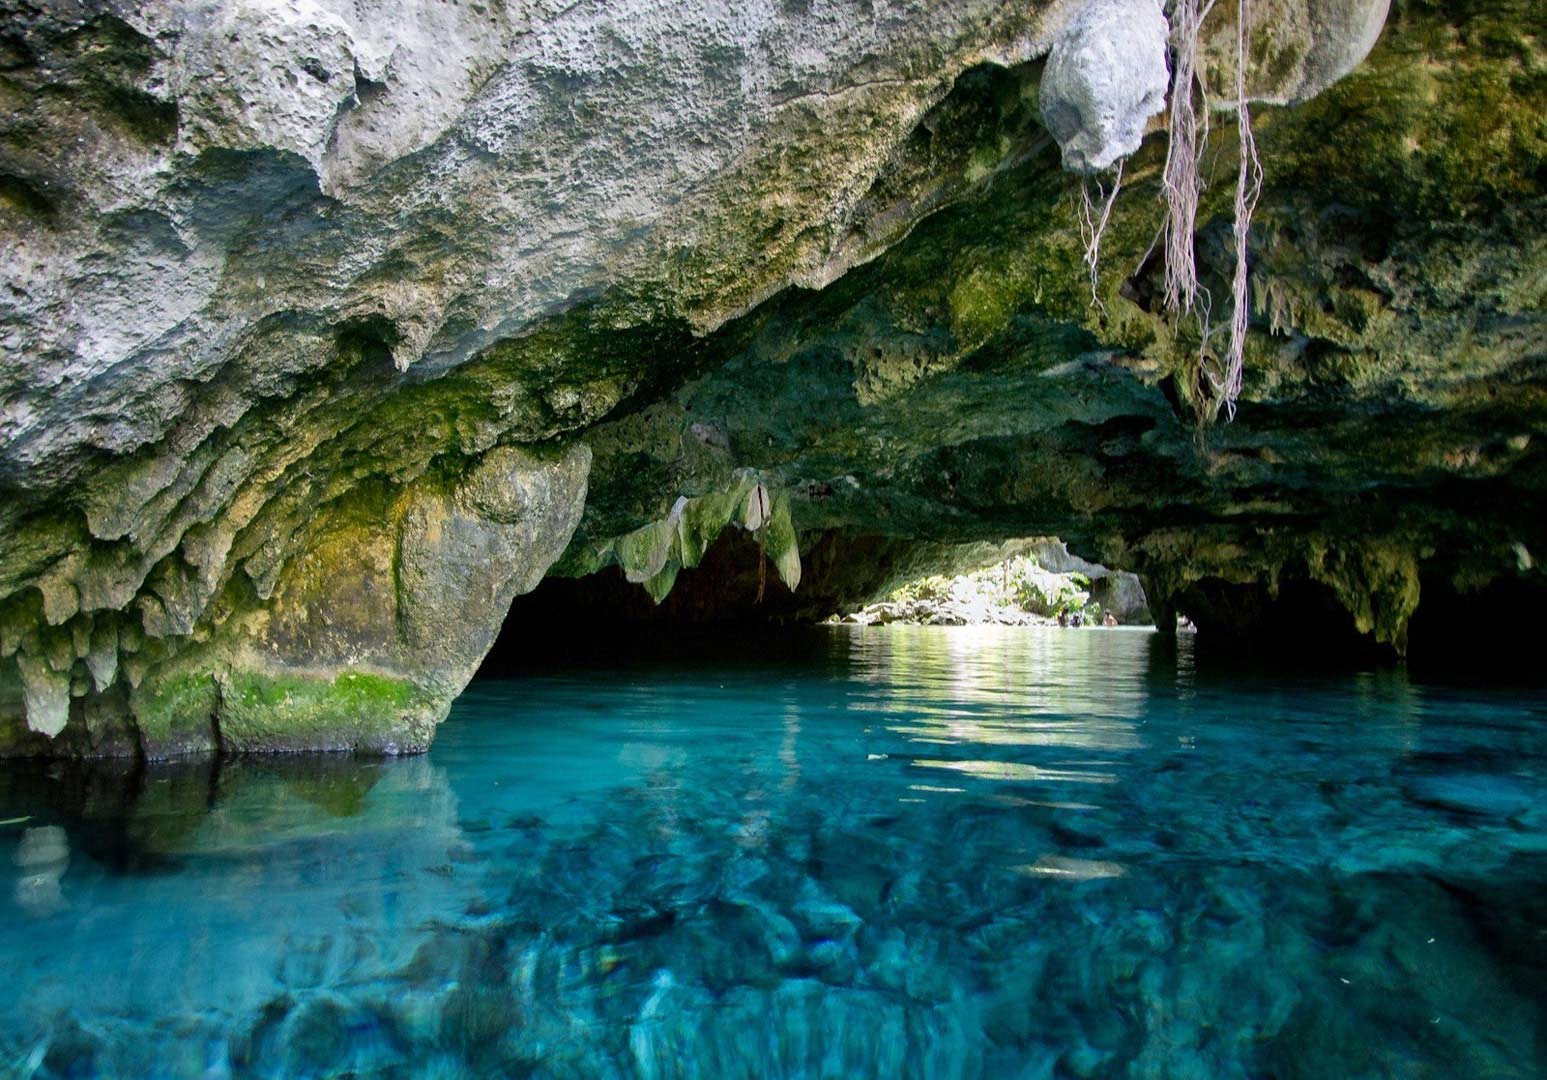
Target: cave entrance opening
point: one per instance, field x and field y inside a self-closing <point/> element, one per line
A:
<point x="713" y="613"/>
<point x="714" y="610"/>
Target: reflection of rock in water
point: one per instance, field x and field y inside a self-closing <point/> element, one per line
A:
<point x="1085" y="680"/>
<point x="224" y="897"/>
<point x="41" y="859"/>
<point x="134" y="817"/>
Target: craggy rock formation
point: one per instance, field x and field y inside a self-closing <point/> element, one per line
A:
<point x="324" y="322"/>
<point x="1106" y="76"/>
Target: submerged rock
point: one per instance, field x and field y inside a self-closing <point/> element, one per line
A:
<point x="1483" y="794"/>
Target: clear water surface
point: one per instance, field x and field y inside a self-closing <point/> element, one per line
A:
<point x="930" y="852"/>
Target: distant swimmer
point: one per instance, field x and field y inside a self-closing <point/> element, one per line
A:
<point x="1109" y="619"/>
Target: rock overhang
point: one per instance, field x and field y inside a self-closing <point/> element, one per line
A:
<point x="314" y="338"/>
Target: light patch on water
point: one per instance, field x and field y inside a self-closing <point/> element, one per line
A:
<point x="1095" y="735"/>
<point x="1017" y="771"/>
<point x="1062" y="866"/>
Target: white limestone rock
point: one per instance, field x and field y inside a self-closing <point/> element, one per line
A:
<point x="1105" y="77"/>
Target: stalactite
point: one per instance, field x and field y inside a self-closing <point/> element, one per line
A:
<point x="760" y="494"/>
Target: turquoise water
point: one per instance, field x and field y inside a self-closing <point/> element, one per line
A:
<point x="890" y="852"/>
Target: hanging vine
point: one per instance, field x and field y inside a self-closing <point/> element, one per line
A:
<point x="1188" y="133"/>
<point x="1093" y="225"/>
<point x="1248" y="188"/>
<point x="1182" y="186"/>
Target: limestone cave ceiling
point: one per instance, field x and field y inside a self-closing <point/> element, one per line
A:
<point x="330" y="328"/>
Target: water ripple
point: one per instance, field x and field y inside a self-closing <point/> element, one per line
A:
<point x="936" y="852"/>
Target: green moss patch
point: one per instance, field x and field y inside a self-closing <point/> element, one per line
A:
<point x="175" y="711"/>
<point x="265" y="711"/>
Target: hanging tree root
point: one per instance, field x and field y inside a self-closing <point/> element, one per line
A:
<point x="1181" y="181"/>
<point x="1182" y="188"/>
<point x="1093" y="224"/>
<point x="1248" y="188"/>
